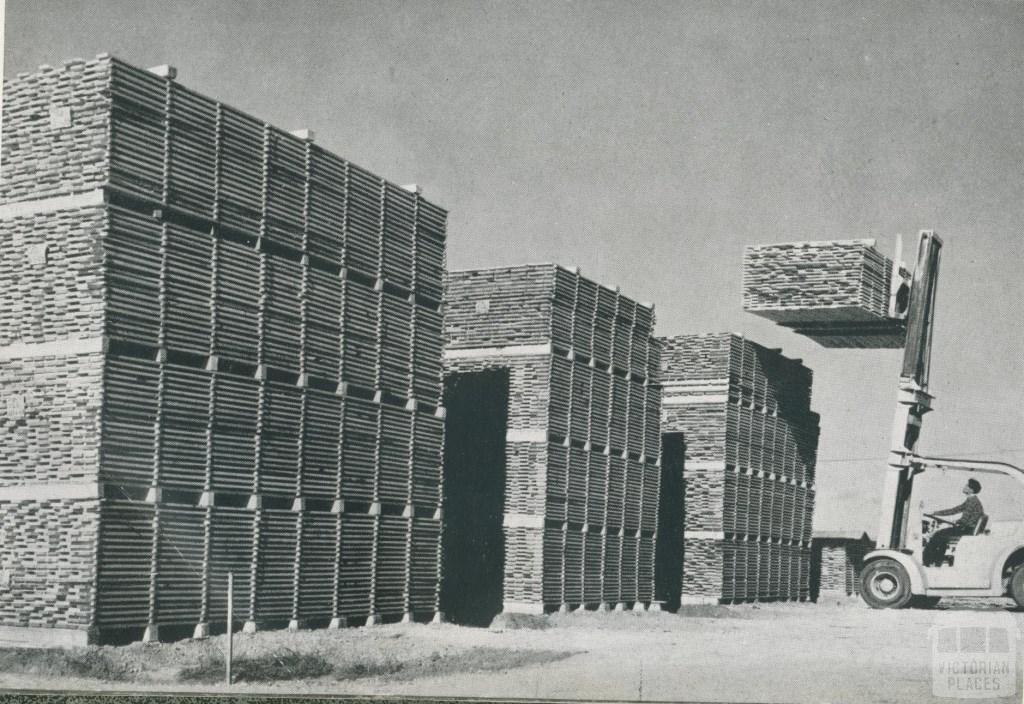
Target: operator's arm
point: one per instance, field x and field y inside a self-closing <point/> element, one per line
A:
<point x="951" y="511"/>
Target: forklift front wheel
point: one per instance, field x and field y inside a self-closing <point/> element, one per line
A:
<point x="1017" y="585"/>
<point x="885" y="584"/>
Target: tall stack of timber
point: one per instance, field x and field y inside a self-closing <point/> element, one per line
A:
<point x="583" y="439"/>
<point x="220" y="351"/>
<point x="748" y="474"/>
<point x="838" y="293"/>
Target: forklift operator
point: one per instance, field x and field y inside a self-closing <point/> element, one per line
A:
<point x="970" y="512"/>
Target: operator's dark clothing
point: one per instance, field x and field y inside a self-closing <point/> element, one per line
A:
<point x="970" y="512"/>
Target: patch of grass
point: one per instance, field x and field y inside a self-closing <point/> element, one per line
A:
<point x="209" y="669"/>
<point x="293" y="665"/>
<point x="273" y="667"/>
<point x="57" y="663"/>
<point x="517" y="622"/>
<point x="368" y="668"/>
<point x="491" y="660"/>
<point x="439" y="664"/>
<point x="714" y="611"/>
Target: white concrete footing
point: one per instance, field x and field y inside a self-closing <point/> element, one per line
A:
<point x="407" y="617"/>
<point x="522" y="607"/>
<point x="202" y="630"/>
<point x="249" y="627"/>
<point x="639" y="606"/>
<point x="294" y="625"/>
<point x="697" y="600"/>
<point x="151" y="634"/>
<point x="603" y="607"/>
<point x="44" y="637"/>
<point x="373" y="620"/>
<point x="438" y="618"/>
<point x="337" y="622"/>
<point x="621" y="606"/>
<point x="564" y="609"/>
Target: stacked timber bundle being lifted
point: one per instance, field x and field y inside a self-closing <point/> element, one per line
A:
<point x="836" y="561"/>
<point x="220" y="351"/>
<point x="583" y="439"/>
<point x="750" y="447"/>
<point x="840" y="293"/>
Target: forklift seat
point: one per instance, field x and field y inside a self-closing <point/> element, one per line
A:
<point x="980" y="528"/>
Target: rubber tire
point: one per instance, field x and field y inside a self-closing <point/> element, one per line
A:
<point x="924" y="602"/>
<point x="885" y="571"/>
<point x="1017" y="585"/>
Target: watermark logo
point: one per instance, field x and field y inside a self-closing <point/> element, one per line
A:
<point x="974" y="655"/>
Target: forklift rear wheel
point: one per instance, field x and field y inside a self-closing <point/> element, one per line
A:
<point x="884" y="584"/>
<point x="1017" y="586"/>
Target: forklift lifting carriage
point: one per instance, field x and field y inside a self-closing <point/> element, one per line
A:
<point x="987" y="564"/>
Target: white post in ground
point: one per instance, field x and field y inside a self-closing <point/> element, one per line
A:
<point x="231" y="621"/>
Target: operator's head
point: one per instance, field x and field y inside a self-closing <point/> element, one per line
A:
<point x="973" y="486"/>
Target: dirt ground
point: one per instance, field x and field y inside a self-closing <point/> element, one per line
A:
<point x="763" y="653"/>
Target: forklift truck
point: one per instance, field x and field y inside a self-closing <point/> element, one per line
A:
<point x="989" y="563"/>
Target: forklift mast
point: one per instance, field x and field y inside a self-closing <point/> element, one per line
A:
<point x="913" y="399"/>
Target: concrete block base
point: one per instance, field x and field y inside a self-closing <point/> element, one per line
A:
<point x="521" y="607"/>
<point x="686" y="600"/>
<point x="407" y="617"/>
<point x="373" y="620"/>
<point x="338" y="622"/>
<point x="45" y="637"/>
<point x="438" y="618"/>
<point x="201" y="631"/>
<point x="250" y="627"/>
<point x="151" y="634"/>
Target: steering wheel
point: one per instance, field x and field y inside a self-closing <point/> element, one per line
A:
<point x="940" y="519"/>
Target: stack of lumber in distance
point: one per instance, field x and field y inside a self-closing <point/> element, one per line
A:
<point x="583" y="439"/>
<point x="224" y="344"/>
<point x="748" y="474"/>
<point x="835" y="292"/>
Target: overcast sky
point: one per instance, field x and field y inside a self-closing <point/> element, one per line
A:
<point x="648" y="143"/>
